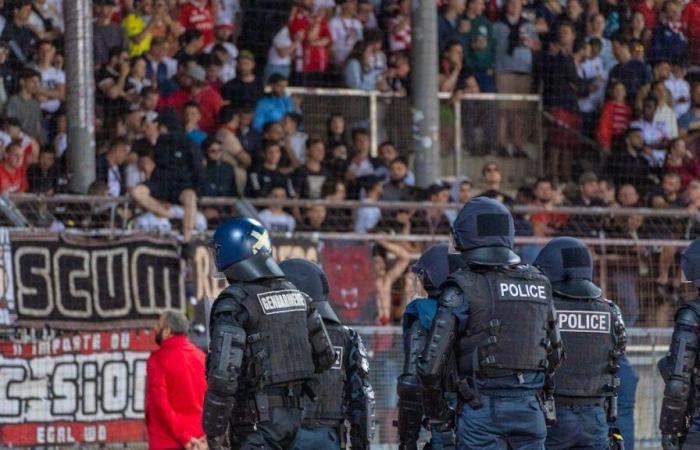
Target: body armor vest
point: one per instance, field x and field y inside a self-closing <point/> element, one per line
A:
<point x="278" y="349"/>
<point x="588" y="333"/>
<point x="507" y="329"/>
<point x="330" y="386"/>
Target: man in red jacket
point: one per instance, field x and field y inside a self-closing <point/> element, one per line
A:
<point x="175" y="387"/>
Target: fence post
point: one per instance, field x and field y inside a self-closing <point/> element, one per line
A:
<point x="373" y="124"/>
<point x="80" y="94"/>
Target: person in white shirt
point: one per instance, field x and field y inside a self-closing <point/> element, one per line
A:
<point x="279" y="58"/>
<point x="680" y="89"/>
<point x="591" y="70"/>
<point x="53" y="80"/>
<point x="664" y="113"/>
<point x="368" y="216"/>
<point x="229" y="55"/>
<point x="228" y="12"/>
<point x="295" y="139"/>
<point x="346" y="31"/>
<point x="274" y="218"/>
<point x="655" y="134"/>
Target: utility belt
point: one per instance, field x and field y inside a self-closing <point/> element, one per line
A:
<point x="255" y="407"/>
<point x="567" y="401"/>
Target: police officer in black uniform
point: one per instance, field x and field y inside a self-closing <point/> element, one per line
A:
<point x="593" y="332"/>
<point x="343" y="392"/>
<point x="266" y="343"/>
<point x="498" y="318"/>
<point x="680" y="418"/>
<point x="431" y="270"/>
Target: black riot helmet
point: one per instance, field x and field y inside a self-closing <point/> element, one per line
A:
<point x="311" y="280"/>
<point x="690" y="262"/>
<point x="432" y="268"/>
<point x="567" y="263"/>
<point x="483" y="233"/>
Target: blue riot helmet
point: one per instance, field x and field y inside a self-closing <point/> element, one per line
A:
<point x="241" y="251"/>
<point x="690" y="262"/>
<point x="311" y="280"/>
<point x="568" y="265"/>
<point x="432" y="268"/>
<point x="483" y="233"/>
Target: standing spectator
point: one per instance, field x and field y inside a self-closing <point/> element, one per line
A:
<point x="451" y="26"/>
<point x="369" y="214"/>
<point x="668" y="196"/>
<point x="267" y="175"/>
<point x="655" y="134"/>
<point x="359" y="73"/>
<point x="594" y="79"/>
<point x="244" y="90"/>
<point x="43" y="176"/>
<point x="690" y="18"/>
<point x="295" y="139"/>
<point x="175" y="387"/>
<point x="7" y="75"/>
<point x="273" y="106"/>
<point x="310" y="177"/>
<point x="628" y="165"/>
<point x="690" y="121"/>
<point x="615" y="118"/>
<point x="208" y="98"/>
<point x="560" y="85"/>
<point x="219" y="179"/>
<point x="682" y="162"/>
<point x="279" y="58"/>
<point x="516" y="40"/>
<point x="199" y="15"/>
<point x="668" y="42"/>
<point x="273" y="217"/>
<point x="191" y="116"/>
<point x="596" y="30"/>
<point x="24" y="105"/>
<point x="20" y="37"/>
<point x="639" y="31"/>
<point x="480" y="46"/>
<point x="360" y="164"/>
<point x="346" y="31"/>
<point x="492" y="177"/>
<point x="545" y="196"/>
<point x="313" y="58"/>
<point x="53" y="80"/>
<point x="399" y="28"/>
<point x="233" y="151"/>
<point x="223" y="32"/>
<point x="680" y="89"/>
<point x="664" y="114"/>
<point x="106" y="34"/>
<point x="13" y="170"/>
<point x="139" y="25"/>
<point x="161" y="68"/>
<point x="336" y="131"/>
<point x="630" y="71"/>
<point x="109" y="168"/>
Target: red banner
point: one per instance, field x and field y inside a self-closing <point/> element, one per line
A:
<point x="74" y="388"/>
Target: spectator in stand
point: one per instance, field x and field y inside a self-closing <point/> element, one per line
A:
<point x="137" y="81"/>
<point x="627" y="165"/>
<point x="668" y="196"/>
<point x="336" y="131"/>
<point x="191" y="45"/>
<point x="106" y="34"/>
<point x="199" y="15"/>
<point x="109" y="167"/>
<point x="209" y="100"/>
<point x="273" y="217"/>
<point x="668" y="41"/>
<point x="360" y="165"/>
<point x="13" y="170"/>
<point x="545" y="196"/>
<point x="161" y="68"/>
<point x="397" y="187"/>
<point x="21" y="38"/>
<point x="225" y="49"/>
<point x="385" y="277"/>
<point x="337" y="163"/>
<point x="451" y="25"/>
<point x="596" y="30"/>
<point x="365" y="14"/>
<point x="311" y="176"/>
<point x="460" y="193"/>
<point x="139" y="25"/>
<point x="575" y="15"/>
<point x="655" y="134"/>
<point x="175" y="387"/>
<point x="388" y="154"/>
<point x="219" y="179"/>
<point x="43" y="176"/>
<point x="664" y="114"/>
<point x="359" y="73"/>
<point x="246" y="89"/>
<point x="263" y="179"/>
<point x="492" y="178"/>
<point x="191" y="118"/>
<point x="111" y="83"/>
<point x="140" y="171"/>
<point x="179" y="166"/>
<point x="399" y="27"/>
<point x="594" y="80"/>
<point x="647" y="8"/>
<point x="368" y="215"/>
<point x="630" y="71"/>
<point x="233" y="151"/>
<point x="690" y="121"/>
<point x="433" y="220"/>
<point x="295" y="139"/>
<point x="7" y="75"/>
<point x="615" y="118"/>
<point x="588" y="191"/>
<point x="690" y="18"/>
<point x="314" y="59"/>
<point x="516" y="42"/>
<point x="679" y="87"/>
<point x="638" y="31"/>
<point x="346" y="31"/>
<point x="275" y="105"/>
<point x="560" y="86"/>
<point x="480" y="46"/>
<point x="279" y="58"/>
<point x="24" y="105"/>
<point x="315" y="219"/>
<point x="334" y="190"/>
<point x="679" y="160"/>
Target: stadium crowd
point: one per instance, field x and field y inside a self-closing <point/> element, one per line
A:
<point x="192" y="102"/>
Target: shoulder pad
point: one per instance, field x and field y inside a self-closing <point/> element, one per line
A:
<point x="451" y="296"/>
<point x="688" y="316"/>
<point x="234" y="291"/>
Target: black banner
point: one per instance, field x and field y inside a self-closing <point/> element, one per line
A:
<point x="88" y="283"/>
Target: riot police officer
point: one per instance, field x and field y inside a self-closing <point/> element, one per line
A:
<point x="498" y="318"/>
<point x="431" y="269"/>
<point x="266" y="343"/>
<point x="680" y="419"/>
<point x="343" y="392"/>
<point x="593" y="333"/>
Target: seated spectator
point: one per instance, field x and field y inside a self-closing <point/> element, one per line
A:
<point x="336" y="131"/>
<point x="692" y="227"/>
<point x="368" y="215"/>
<point x="219" y="179"/>
<point x="334" y="190"/>
<point x="191" y="118"/>
<point x="233" y="151"/>
<point x="451" y="25"/>
<point x="639" y="31"/>
<point x="267" y="175"/>
<point x="615" y="118"/>
<point x="141" y="170"/>
<point x="199" y="15"/>
<point x="360" y="164"/>
<point x="397" y="188"/>
<point x="178" y="171"/>
<point x="316" y="219"/>
<point x="225" y="50"/>
<point x="279" y="57"/>
<point x="273" y="106"/>
<point x="397" y="77"/>
<point x="274" y="218"/>
<point x="359" y="72"/>
<point x="24" y="105"/>
<point x="667" y="41"/>
<point x="337" y="163"/>
<point x="689" y="123"/>
<point x="588" y="191"/>
<point x="607" y="192"/>
<point x="246" y="89"/>
<point x="433" y="220"/>
<point x="632" y="72"/>
<point x="13" y="170"/>
<point x="664" y="114"/>
<point x="295" y="139"/>
<point x="345" y="30"/>
<point x="309" y="69"/>
<point x="387" y="154"/>
<point x="52" y="90"/>
<point x="109" y="167"/>
<point x="43" y="176"/>
<point x="679" y="160"/>
<point x="399" y="27"/>
<point x="655" y="134"/>
<point x="460" y="194"/>
<point x="106" y="34"/>
<point x="545" y="196"/>
<point x="492" y="180"/>
<point x="679" y="87"/>
<point x="7" y="75"/>
<point x="18" y="33"/>
<point x="628" y="165"/>
<point x="310" y="177"/>
<point x="597" y="31"/>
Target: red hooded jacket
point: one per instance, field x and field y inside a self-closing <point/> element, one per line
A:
<point x="175" y="387"/>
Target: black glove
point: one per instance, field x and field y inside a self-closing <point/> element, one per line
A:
<point x="216" y="442"/>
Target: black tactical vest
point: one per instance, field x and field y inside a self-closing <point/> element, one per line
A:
<point x="588" y="333"/>
<point x="278" y="349"/>
<point x="508" y="321"/>
<point x="330" y="385"/>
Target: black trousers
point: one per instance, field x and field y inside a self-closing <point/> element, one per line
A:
<point x="279" y="433"/>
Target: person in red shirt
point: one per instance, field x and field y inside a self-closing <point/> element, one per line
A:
<point x="208" y="98"/>
<point x="646" y="8"/>
<point x="175" y="388"/>
<point x="199" y="15"/>
<point x="13" y="170"/>
<point x="313" y="58"/>
<point x="691" y="25"/>
<point x="615" y="118"/>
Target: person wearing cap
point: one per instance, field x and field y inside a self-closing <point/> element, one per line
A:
<point x="679" y="420"/>
<point x="496" y="317"/>
<point x="593" y="333"/>
<point x="431" y="270"/>
<point x="275" y="105"/>
<point x="208" y="98"/>
<point x="343" y="392"/>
